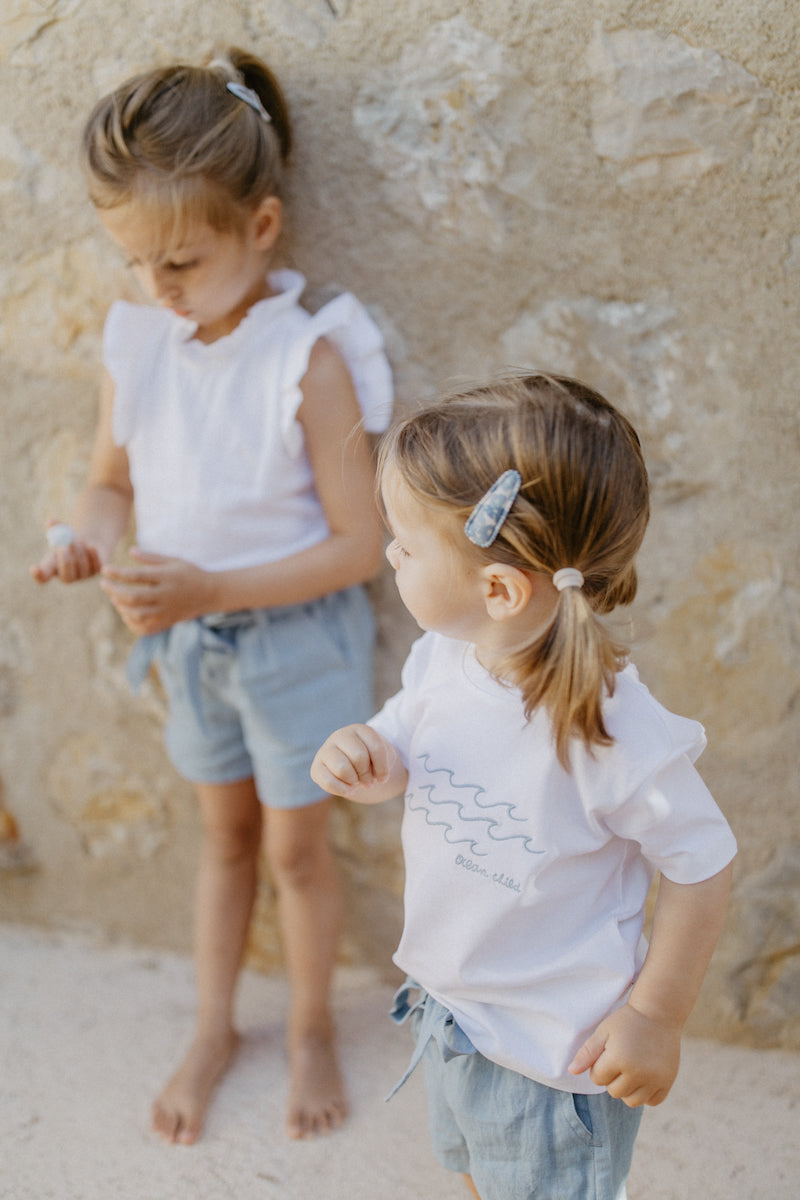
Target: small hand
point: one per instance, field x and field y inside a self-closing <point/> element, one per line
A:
<point x="70" y="558"/>
<point x="156" y="593"/>
<point x="353" y="760"/>
<point x="632" y="1056"/>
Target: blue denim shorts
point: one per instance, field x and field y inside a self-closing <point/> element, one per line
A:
<point x="517" y="1139"/>
<point x="256" y="693"/>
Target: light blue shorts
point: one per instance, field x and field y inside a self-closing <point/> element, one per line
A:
<point x="517" y="1139"/>
<point x="256" y="693"/>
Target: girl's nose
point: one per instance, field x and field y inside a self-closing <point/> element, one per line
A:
<point x="157" y="283"/>
<point x="392" y="555"/>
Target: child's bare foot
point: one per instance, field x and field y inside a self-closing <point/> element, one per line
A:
<point x="179" y="1112"/>
<point x="317" y="1103"/>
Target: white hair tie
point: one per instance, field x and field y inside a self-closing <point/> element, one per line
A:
<point x="568" y="577"/>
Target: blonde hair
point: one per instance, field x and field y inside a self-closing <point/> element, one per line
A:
<point x="177" y="141"/>
<point x="583" y="503"/>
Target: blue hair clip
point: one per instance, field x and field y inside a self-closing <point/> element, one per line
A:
<point x="489" y="514"/>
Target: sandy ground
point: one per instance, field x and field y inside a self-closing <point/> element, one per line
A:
<point x="89" y="1031"/>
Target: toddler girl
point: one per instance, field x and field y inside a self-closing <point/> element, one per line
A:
<point x="232" y="422"/>
<point x="544" y="788"/>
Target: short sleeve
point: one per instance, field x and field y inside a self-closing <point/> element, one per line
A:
<point x="348" y="326"/>
<point x="678" y="824"/>
<point x="397" y="720"/>
<point x="646" y="738"/>
<point x="645" y="788"/>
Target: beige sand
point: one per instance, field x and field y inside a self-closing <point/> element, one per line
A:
<point x="88" y="1032"/>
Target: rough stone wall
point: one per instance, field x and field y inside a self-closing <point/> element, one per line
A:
<point x="605" y="188"/>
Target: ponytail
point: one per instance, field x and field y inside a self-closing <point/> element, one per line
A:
<point x="256" y="75"/>
<point x="569" y="671"/>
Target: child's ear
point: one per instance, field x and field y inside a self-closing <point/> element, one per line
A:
<point x="507" y="591"/>
<point x="267" y="218"/>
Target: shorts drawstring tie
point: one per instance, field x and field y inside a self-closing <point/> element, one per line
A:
<point x="196" y="636"/>
<point x="437" y="1024"/>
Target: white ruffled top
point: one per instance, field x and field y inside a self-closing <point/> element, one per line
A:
<point x="217" y="456"/>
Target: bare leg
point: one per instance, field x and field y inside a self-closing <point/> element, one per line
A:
<point x="307" y="881"/>
<point x="226" y="884"/>
<point x="471" y="1186"/>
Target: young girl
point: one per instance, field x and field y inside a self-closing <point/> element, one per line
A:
<point x="232" y="421"/>
<point x="544" y="787"/>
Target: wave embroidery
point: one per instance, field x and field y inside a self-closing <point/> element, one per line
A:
<point x="471" y="810"/>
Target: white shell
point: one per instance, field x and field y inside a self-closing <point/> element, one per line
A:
<point x="59" y="535"/>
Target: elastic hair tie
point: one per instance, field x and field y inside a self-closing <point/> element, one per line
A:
<point x="489" y="514"/>
<point x="250" y="97"/>
<point x="567" y="577"/>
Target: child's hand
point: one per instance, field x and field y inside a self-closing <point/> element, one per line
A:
<point x="353" y="760"/>
<point x="69" y="558"/>
<point x="632" y="1056"/>
<point x="156" y="593"/>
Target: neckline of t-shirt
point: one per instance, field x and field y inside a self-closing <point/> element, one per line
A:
<point x="480" y="678"/>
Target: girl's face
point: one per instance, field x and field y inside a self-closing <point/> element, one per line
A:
<point x="211" y="277"/>
<point x="440" y="587"/>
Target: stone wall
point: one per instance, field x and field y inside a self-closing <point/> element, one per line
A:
<point x="602" y="187"/>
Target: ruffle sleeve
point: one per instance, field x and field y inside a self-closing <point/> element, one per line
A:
<point x="132" y="337"/>
<point x="348" y="326"/>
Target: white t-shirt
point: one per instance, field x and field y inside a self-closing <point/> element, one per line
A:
<point x="217" y="458"/>
<point x="525" y="884"/>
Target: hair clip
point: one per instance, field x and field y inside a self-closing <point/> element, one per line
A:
<point x="489" y="514"/>
<point x="567" y="577"/>
<point x="250" y="97"/>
